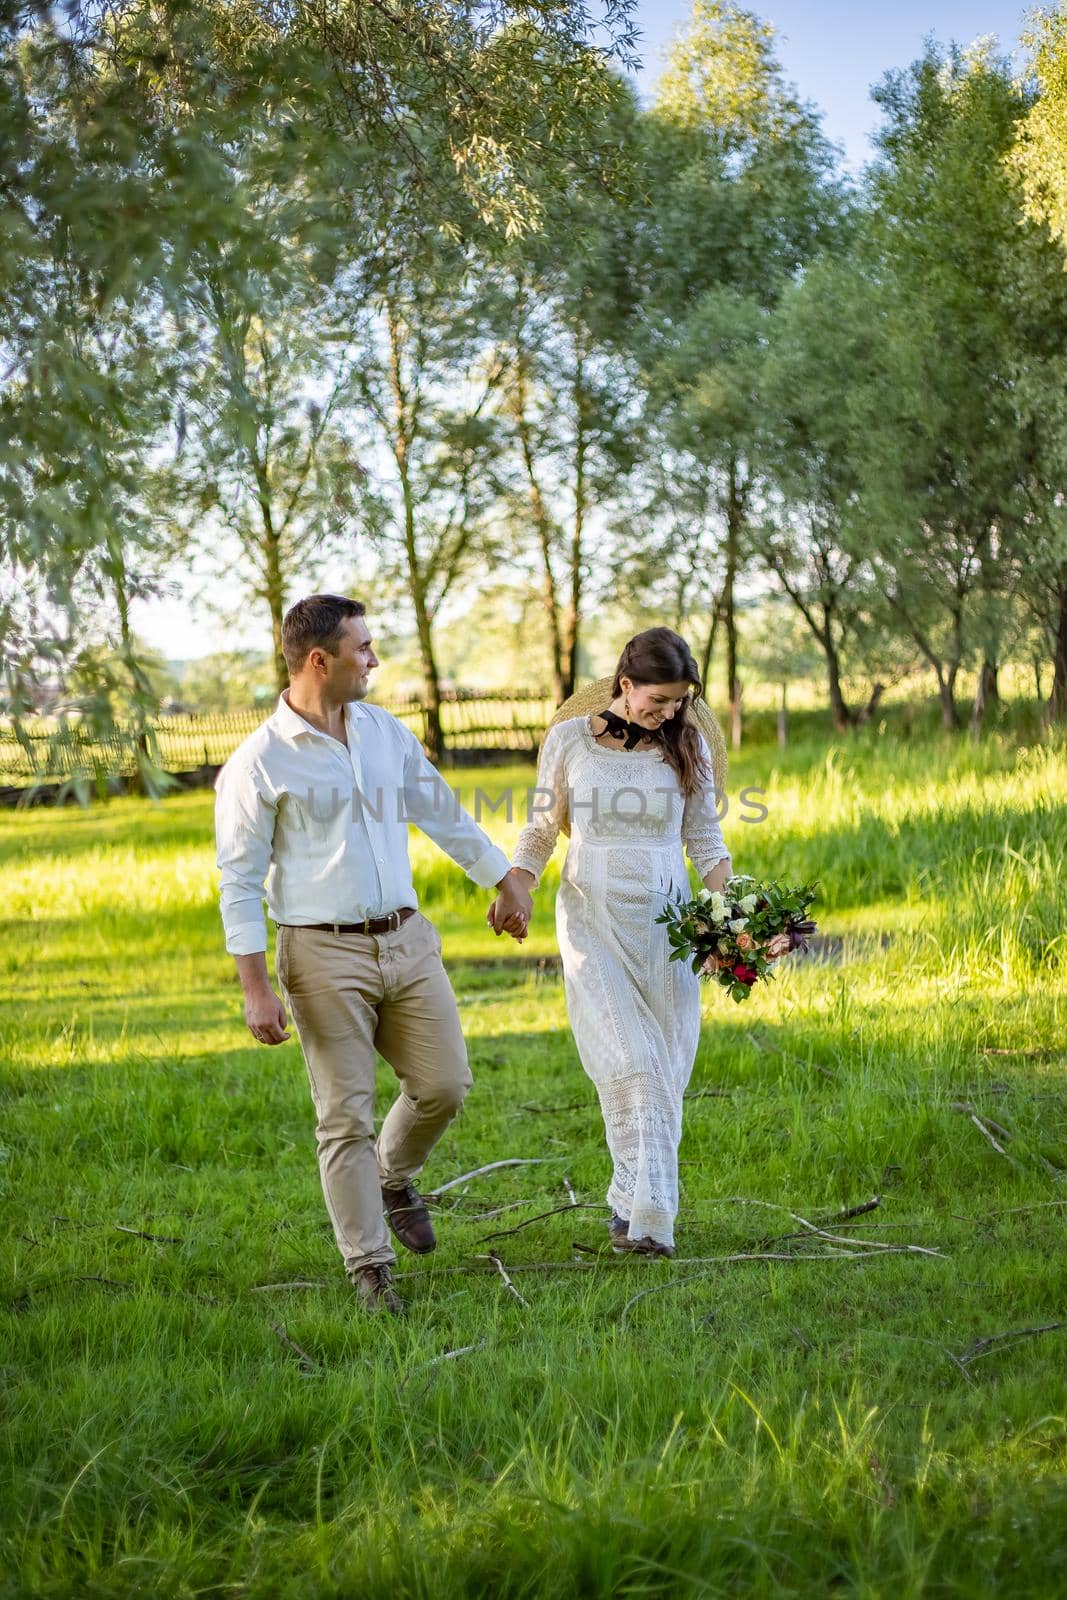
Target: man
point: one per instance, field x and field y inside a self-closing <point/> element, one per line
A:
<point x="314" y="807"/>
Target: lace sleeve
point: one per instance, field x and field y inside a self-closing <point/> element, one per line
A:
<point x="701" y="833"/>
<point x="547" y="809"/>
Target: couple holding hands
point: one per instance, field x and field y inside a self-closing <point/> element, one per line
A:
<point x="313" y="808"/>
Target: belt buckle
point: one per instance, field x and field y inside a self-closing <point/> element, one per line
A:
<point x="394" y="926"/>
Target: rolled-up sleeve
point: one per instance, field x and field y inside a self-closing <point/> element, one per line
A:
<point x="244" y="835"/>
<point x="431" y="806"/>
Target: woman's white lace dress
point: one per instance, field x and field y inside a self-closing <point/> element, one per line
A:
<point x="635" y="1014"/>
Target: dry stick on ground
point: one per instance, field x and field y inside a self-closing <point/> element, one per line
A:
<point x="298" y="1283"/>
<point x="984" y="1126"/>
<point x="497" y="1211"/>
<point x="705" y="1094"/>
<point x="153" y="1238"/>
<point x="982" y="1347"/>
<point x="307" y="1363"/>
<point x="624" y="1264"/>
<point x="579" y="1205"/>
<point x="571" y="1194"/>
<point x="492" y="1166"/>
<point x="495" y="1259"/>
<point x="547" y="1111"/>
<point x="773" y="1049"/>
<point x="1035" y="1052"/>
<point x="868" y="1244"/>
<point x="447" y="1355"/>
<point x="1014" y="1211"/>
<point x="658" y="1288"/>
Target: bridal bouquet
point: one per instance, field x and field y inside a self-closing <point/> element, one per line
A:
<point x="735" y="935"/>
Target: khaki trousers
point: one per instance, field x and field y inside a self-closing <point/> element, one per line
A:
<point x="352" y="995"/>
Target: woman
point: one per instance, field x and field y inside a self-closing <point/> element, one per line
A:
<point x="634" y="783"/>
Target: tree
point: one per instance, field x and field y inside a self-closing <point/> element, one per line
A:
<point x="740" y="191"/>
<point x="116" y="128"/>
<point x="958" y="466"/>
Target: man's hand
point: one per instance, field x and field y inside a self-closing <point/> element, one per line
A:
<point x="512" y="909"/>
<point x="265" y="1015"/>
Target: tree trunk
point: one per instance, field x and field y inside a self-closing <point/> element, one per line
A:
<point x="404" y="424"/>
<point x="1056" y="708"/>
<point x="573" y="617"/>
<point x="431" y="681"/>
<point x="783" y="730"/>
<point x="709" y="643"/>
<point x="734" y="518"/>
<point x="843" y="717"/>
<point x="865" y="714"/>
<point x="986" y="694"/>
<point x="274" y="591"/>
<point x="946" y="690"/>
<point x="543" y="524"/>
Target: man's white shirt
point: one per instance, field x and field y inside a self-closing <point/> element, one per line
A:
<point x="323" y="830"/>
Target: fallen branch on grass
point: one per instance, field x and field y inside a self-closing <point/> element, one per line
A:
<point x="992" y="1130"/>
<point x="623" y="1264"/>
<point x="548" y="1111"/>
<point x="447" y="1355"/>
<point x="867" y="1244"/>
<point x="574" y="1205"/>
<point x="491" y="1166"/>
<point x="153" y="1238"/>
<point x="774" y="1049"/>
<point x="495" y="1259"/>
<point x="658" y="1288"/>
<point x="982" y="1347"/>
<point x="298" y="1283"/>
<point x="307" y="1363"/>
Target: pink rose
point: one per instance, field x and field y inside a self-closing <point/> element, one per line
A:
<point x="745" y="941"/>
<point x="778" y="946"/>
<point x="710" y="965"/>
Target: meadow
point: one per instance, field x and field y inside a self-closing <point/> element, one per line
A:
<point x="802" y="1403"/>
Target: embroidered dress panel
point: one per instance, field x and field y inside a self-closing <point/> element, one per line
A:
<point x="634" y="1013"/>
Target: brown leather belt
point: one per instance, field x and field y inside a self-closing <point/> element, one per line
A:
<point x="387" y="924"/>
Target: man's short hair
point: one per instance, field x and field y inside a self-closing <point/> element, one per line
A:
<point x="316" y="622"/>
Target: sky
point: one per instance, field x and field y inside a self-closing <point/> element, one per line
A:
<point x="833" y="51"/>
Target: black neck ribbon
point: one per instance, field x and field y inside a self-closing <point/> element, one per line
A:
<point x="632" y="732"/>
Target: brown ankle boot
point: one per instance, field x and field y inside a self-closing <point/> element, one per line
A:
<point x="408" y="1217"/>
<point x="374" y="1289"/>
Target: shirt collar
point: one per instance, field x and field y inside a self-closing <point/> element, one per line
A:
<point x="290" y="724"/>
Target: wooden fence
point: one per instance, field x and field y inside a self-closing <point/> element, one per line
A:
<point x="472" y="720"/>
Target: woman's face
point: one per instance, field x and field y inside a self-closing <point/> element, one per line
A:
<point x="653" y="704"/>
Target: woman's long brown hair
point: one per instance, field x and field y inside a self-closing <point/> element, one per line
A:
<point x="659" y="655"/>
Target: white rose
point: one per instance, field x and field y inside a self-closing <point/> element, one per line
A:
<point x="704" y="896"/>
<point x="737" y="924"/>
<point x="748" y="904"/>
<point x="717" y="905"/>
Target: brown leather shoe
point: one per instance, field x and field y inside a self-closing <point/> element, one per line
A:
<point x="408" y="1217"/>
<point x="374" y="1288"/>
<point x="623" y="1245"/>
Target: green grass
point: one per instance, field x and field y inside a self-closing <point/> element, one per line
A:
<point x="766" y="1427"/>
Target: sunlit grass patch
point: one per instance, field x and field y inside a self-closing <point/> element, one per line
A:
<point x="818" y="1417"/>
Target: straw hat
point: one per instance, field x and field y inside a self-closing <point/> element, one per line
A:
<point x="593" y="697"/>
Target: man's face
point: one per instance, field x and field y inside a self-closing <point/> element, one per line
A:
<point x="350" y="669"/>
